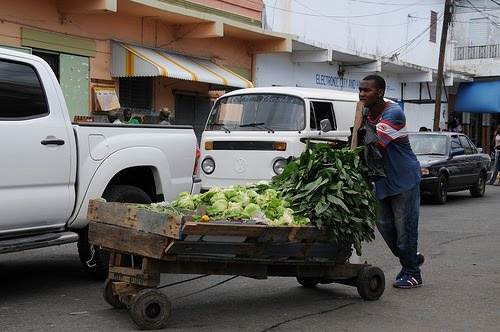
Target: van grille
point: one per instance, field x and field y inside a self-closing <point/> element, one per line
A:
<point x="245" y="145"/>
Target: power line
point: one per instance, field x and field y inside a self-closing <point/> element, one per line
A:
<point x="494" y="23"/>
<point x="341" y="16"/>
<point x="396" y="4"/>
<point x="495" y="2"/>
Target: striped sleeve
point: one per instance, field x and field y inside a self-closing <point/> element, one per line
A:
<point x="392" y="126"/>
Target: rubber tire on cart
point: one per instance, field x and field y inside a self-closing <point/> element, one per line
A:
<point x="370" y="283"/>
<point x="308" y="282"/>
<point x="150" y="309"/>
<point x="440" y="195"/>
<point x="111" y="298"/>
<point x="479" y="187"/>
<point x="97" y="264"/>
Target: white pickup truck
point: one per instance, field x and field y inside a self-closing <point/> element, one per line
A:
<point x="50" y="168"/>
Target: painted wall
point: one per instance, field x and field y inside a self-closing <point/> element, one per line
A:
<point x="132" y="29"/>
<point x="372" y="27"/>
<point x="252" y="9"/>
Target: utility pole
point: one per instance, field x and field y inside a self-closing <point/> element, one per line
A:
<point x="442" y="51"/>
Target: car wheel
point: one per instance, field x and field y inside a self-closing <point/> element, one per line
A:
<point x="441" y="193"/>
<point x="479" y="187"/>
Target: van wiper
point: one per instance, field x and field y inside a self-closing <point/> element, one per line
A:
<point x="226" y="129"/>
<point x="258" y="124"/>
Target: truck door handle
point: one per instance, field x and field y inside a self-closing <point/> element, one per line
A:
<point x="52" y="141"/>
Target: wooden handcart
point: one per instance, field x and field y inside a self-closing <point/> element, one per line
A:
<point x="145" y="244"/>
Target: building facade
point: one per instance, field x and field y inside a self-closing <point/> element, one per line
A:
<point x="475" y="48"/>
<point x="340" y="42"/>
<point x="151" y="54"/>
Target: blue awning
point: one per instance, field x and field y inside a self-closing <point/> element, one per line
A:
<point x="478" y="97"/>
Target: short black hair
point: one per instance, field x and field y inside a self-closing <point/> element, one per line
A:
<point x="379" y="81"/>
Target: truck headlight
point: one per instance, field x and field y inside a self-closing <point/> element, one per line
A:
<point x="279" y="166"/>
<point x="424" y="171"/>
<point x="208" y="165"/>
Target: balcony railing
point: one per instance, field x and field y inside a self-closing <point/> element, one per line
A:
<point x="477" y="52"/>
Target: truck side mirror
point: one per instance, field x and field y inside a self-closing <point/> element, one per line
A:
<point x="325" y="125"/>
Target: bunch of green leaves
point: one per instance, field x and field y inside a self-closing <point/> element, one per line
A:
<point x="329" y="187"/>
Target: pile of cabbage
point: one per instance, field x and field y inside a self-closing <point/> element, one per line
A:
<point x="257" y="202"/>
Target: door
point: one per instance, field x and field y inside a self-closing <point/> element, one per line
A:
<point x="35" y="151"/>
<point x="457" y="164"/>
<point x="74" y="72"/>
<point x="192" y="110"/>
<point x="469" y="160"/>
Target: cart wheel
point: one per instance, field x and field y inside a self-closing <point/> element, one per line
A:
<point x="370" y="283"/>
<point x="150" y="309"/>
<point x="111" y="298"/>
<point x="308" y="282"/>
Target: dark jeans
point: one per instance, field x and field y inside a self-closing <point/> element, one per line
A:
<point x="496" y="166"/>
<point x="398" y="225"/>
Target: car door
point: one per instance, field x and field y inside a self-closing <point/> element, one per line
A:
<point x="456" y="165"/>
<point x="35" y="151"/>
<point x="469" y="161"/>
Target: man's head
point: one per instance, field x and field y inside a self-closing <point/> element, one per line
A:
<point x="127" y="114"/>
<point x="371" y="90"/>
<point x="164" y="114"/>
<point x="112" y="116"/>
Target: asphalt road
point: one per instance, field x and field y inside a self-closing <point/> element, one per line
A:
<point x="46" y="289"/>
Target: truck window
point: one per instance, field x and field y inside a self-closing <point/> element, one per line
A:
<point x="322" y="110"/>
<point x="21" y="93"/>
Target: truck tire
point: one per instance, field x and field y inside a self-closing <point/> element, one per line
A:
<point x="95" y="260"/>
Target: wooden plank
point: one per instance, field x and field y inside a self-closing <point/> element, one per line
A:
<point x="284" y="250"/>
<point x="215" y="268"/>
<point x="121" y="288"/>
<point x="130" y="241"/>
<point x="358" y="122"/>
<point x="262" y="232"/>
<point x="129" y="216"/>
<point x="133" y="276"/>
<point x="196" y="228"/>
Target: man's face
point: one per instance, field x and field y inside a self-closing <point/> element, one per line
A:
<point x="369" y="94"/>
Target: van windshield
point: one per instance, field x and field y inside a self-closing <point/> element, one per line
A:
<point x="258" y="112"/>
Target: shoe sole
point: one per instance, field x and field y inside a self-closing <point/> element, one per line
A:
<point x="407" y="287"/>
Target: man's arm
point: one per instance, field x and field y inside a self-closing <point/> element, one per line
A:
<point x="392" y="126"/>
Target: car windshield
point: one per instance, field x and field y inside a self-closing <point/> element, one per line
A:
<point x="258" y="112"/>
<point x="428" y="144"/>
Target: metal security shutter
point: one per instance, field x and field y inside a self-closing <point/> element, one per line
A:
<point x="136" y="92"/>
<point x="192" y="110"/>
<point x="51" y="58"/>
<point x="479" y="31"/>
<point x="74" y="76"/>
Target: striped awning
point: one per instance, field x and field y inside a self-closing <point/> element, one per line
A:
<point x="134" y="61"/>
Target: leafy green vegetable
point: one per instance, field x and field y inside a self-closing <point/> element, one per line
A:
<point x="329" y="187"/>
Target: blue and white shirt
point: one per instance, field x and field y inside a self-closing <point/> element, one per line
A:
<point x="401" y="166"/>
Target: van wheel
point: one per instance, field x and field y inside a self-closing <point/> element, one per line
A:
<point x="93" y="259"/>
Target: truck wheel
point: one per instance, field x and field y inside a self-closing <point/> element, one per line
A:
<point x="308" y="282"/>
<point x="479" y="187"/>
<point x="441" y="192"/>
<point x="95" y="260"/>
<point x="370" y="283"/>
<point x="150" y="309"/>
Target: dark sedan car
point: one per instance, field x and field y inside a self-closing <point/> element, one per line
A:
<point x="449" y="162"/>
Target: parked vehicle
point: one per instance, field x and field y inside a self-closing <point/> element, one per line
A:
<point x="450" y="162"/>
<point x="250" y="133"/>
<point x="50" y="169"/>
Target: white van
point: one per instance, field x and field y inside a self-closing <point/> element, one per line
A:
<point x="250" y="133"/>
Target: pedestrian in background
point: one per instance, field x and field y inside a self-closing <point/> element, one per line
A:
<point x="113" y="117"/>
<point x="127" y="117"/>
<point x="399" y="191"/>
<point x="164" y="118"/>
<point x="496" y="144"/>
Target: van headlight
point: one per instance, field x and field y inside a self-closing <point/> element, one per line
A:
<point x="279" y="165"/>
<point x="208" y="165"/>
